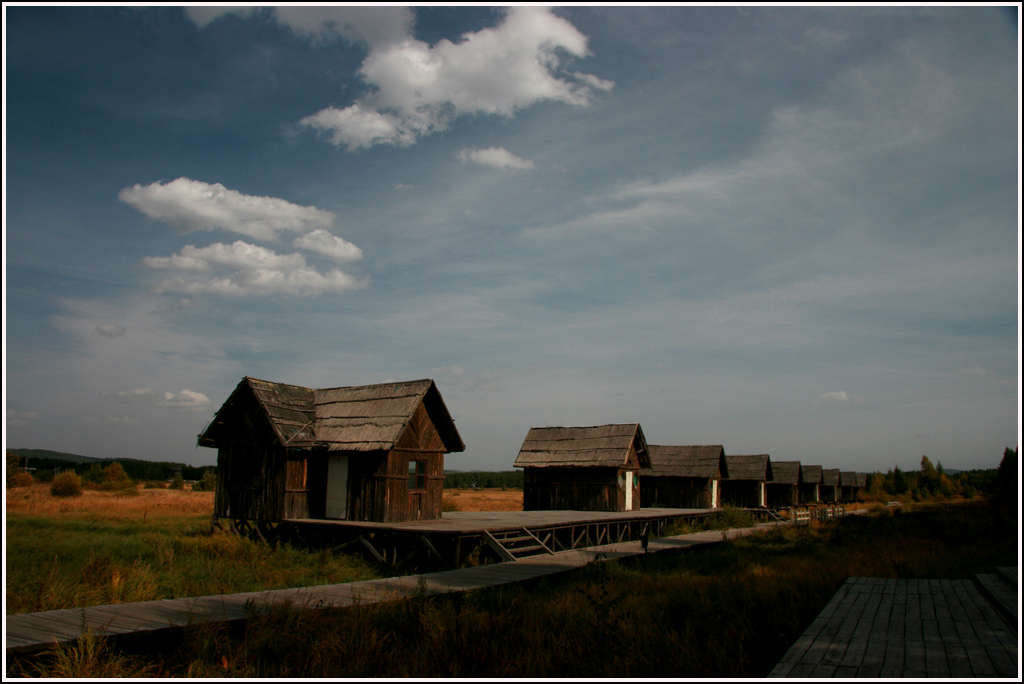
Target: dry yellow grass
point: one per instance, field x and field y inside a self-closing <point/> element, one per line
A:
<point x="484" y="499"/>
<point x="36" y="500"/>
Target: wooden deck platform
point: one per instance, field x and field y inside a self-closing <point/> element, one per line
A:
<point x="35" y="631"/>
<point x="447" y="542"/>
<point x="887" y="628"/>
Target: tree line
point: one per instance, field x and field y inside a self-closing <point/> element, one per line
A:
<point x="93" y="471"/>
<point x="510" y="479"/>
<point x="933" y="483"/>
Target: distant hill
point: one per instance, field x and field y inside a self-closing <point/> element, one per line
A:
<point x="54" y="456"/>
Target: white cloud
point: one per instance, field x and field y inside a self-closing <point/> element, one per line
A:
<point x="190" y="205"/>
<point x="356" y="127"/>
<point x="185" y="399"/>
<point x="594" y="81"/>
<point x="110" y="330"/>
<point x="496" y="157"/>
<point x="238" y="255"/>
<point x="323" y="242"/>
<point x="305" y="281"/>
<point x="129" y="396"/>
<point x="370" y="25"/>
<point x="258" y="270"/>
<point x="418" y="88"/>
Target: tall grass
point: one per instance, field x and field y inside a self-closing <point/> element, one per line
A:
<point x="104" y="548"/>
<point x="728" y="610"/>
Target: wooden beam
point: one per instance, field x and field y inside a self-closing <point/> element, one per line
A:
<point x="369" y="547"/>
<point x="543" y="545"/>
<point x="498" y="548"/>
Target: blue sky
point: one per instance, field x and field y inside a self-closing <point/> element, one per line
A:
<point x="785" y="230"/>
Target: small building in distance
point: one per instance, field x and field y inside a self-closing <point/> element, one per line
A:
<point x="745" y="479"/>
<point x="367" y="453"/>
<point x="583" y="468"/>
<point x="862" y="484"/>
<point x="683" y="477"/>
<point x="829" y="489"/>
<point x="847" y="486"/>
<point x="783" y="487"/>
<point x="810" y="481"/>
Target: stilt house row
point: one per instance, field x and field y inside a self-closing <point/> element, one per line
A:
<point x="683" y="477"/>
<point x="783" y="487"/>
<point x="810" y="481"/>
<point x="368" y="453"/>
<point x="583" y="468"/>
<point x="746" y="477"/>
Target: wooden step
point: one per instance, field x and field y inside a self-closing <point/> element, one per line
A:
<point x="1009" y="575"/>
<point x="1000" y="595"/>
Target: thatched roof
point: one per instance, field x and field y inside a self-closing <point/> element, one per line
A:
<point x="686" y="461"/>
<point x="602" y="446"/>
<point x="862" y="480"/>
<point x="364" y="418"/>
<point x="848" y="478"/>
<point x="811" y="474"/>
<point x="786" y="472"/>
<point x="748" y="467"/>
<point x="830" y="477"/>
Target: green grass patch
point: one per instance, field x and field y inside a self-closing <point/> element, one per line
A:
<point x="56" y="562"/>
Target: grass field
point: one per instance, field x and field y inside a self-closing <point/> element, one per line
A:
<point x="104" y="548"/>
<point x="730" y="610"/>
<point x="483" y="500"/>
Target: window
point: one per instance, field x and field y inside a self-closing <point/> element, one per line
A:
<point x="417" y="475"/>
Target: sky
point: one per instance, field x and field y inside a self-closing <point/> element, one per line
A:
<point x="786" y="230"/>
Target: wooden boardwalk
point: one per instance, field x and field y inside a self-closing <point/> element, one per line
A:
<point x="887" y="628"/>
<point x="34" y="631"/>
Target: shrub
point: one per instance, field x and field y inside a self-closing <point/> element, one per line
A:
<point x="177" y="483"/>
<point x="115" y="473"/>
<point x="208" y="483"/>
<point x="20" y="479"/>
<point x="152" y="484"/>
<point x="94" y="474"/>
<point x="66" y="484"/>
<point x="124" y="488"/>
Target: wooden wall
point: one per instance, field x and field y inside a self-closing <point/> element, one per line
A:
<point x="378" y="482"/>
<point x="676" y="492"/>
<point x="782" y="494"/>
<point x="251" y="483"/>
<point x="741" y="493"/>
<point x="577" y="489"/>
<point x="809" y="493"/>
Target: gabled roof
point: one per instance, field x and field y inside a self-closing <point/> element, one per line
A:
<point x="811" y="474"/>
<point x="603" y="446"/>
<point x="363" y="418"/>
<point x="848" y="478"/>
<point x="686" y="461"/>
<point x="830" y="477"/>
<point x="862" y="480"/>
<point x="748" y="467"/>
<point x="785" y="472"/>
